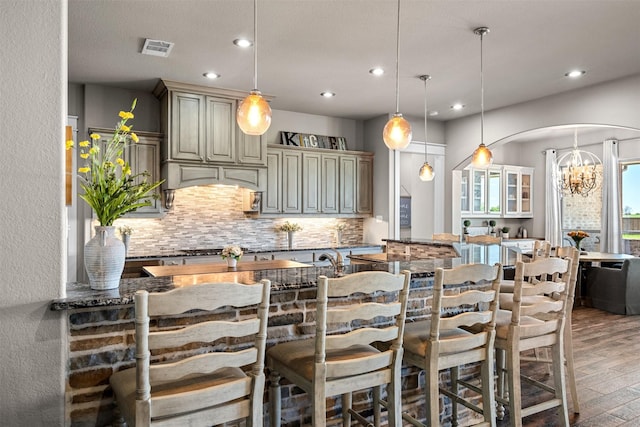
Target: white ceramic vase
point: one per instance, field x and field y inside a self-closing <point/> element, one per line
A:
<point x="290" y="238"/>
<point x="126" y="238"/>
<point x="232" y="262"/>
<point x="104" y="258"/>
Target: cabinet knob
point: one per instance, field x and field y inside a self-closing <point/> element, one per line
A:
<point x="209" y="158"/>
<point x="201" y="158"/>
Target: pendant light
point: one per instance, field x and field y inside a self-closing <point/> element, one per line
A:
<point x="254" y="113"/>
<point x="482" y="157"/>
<point x="426" y="171"/>
<point x="397" y="131"/>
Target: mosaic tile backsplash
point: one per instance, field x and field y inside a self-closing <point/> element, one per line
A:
<point x="212" y="217"/>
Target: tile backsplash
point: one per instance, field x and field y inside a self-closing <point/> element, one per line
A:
<point x="212" y="217"/>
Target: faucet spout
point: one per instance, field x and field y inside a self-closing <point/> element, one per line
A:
<point x="337" y="262"/>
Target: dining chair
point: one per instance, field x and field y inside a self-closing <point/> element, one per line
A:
<point x="540" y="355"/>
<point x="446" y="237"/>
<point x="541" y="249"/>
<point x="534" y="321"/>
<point x="484" y="239"/>
<point x="353" y="312"/>
<point x="186" y="374"/>
<point x="446" y="341"/>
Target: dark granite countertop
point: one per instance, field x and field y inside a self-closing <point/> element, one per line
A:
<point x="80" y="295"/>
<point x="153" y="253"/>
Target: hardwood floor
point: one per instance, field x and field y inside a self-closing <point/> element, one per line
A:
<point x="607" y="360"/>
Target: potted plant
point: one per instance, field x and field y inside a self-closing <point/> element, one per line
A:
<point x="492" y="224"/>
<point x="505" y="232"/>
<point x="290" y="228"/>
<point x="232" y="254"/>
<point x="111" y="190"/>
<point x="466" y="223"/>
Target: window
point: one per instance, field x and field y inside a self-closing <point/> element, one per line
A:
<point x="630" y="172"/>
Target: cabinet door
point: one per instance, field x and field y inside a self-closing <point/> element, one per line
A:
<point x="220" y="143"/>
<point x="347" y="184"/>
<point x="145" y="156"/>
<point x="271" y="199"/>
<point x="252" y="149"/>
<point x="329" y="187"/>
<point x="188" y="126"/>
<point x="364" y="185"/>
<point x="512" y="185"/>
<point x="494" y="192"/>
<point x="479" y="189"/>
<point x="465" y="206"/>
<point x="291" y="188"/>
<point x="526" y="204"/>
<point x="311" y="186"/>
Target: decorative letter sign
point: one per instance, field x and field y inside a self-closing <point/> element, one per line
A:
<point x="306" y="140"/>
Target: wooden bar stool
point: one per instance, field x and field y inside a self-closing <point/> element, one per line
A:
<point x="353" y="312"/>
<point x="535" y="321"/>
<point x="484" y="239"/>
<point x="446" y="237"/>
<point x="202" y="388"/>
<point x="449" y="342"/>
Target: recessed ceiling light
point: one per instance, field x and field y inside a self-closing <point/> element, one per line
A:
<point x="328" y="94"/>
<point x="433" y="113"/>
<point x="211" y="75"/>
<point x="457" y="106"/>
<point x="376" y="71"/>
<point x="243" y="42"/>
<point x="575" y="73"/>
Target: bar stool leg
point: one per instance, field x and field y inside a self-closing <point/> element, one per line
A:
<point x="347" y="400"/>
<point x="275" y="396"/>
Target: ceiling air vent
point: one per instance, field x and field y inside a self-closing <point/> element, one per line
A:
<point x="157" y="48"/>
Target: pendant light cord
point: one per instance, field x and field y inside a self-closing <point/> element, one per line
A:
<point x="398" y="62"/>
<point x="424" y="79"/>
<point x="482" y="32"/>
<point x="255" y="45"/>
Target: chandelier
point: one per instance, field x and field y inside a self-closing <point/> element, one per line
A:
<point x="576" y="171"/>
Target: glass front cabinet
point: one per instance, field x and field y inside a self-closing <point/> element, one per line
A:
<point x="518" y="191"/>
<point x="499" y="191"/>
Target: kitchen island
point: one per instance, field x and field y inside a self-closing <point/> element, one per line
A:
<point x="101" y="328"/>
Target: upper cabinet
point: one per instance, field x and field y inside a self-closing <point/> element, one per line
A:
<point x="518" y="191"/>
<point x="317" y="181"/>
<point x="203" y="144"/>
<point x="498" y="191"/>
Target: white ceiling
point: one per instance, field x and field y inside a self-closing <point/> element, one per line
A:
<point x="309" y="46"/>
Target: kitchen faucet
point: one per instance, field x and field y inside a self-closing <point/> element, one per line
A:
<point x="337" y="262"/>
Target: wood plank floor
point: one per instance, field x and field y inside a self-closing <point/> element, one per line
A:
<point x="607" y="359"/>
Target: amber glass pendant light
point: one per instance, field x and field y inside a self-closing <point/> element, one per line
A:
<point x="397" y="131"/>
<point x="254" y="113"/>
<point x="482" y="156"/>
<point x="426" y="171"/>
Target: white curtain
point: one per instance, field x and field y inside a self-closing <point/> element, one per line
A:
<point x="553" y="221"/>
<point x="610" y="234"/>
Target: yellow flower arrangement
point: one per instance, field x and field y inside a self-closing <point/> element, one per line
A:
<point x="109" y="186"/>
<point x="290" y="226"/>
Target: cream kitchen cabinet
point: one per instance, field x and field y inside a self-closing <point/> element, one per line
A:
<point x="284" y="190"/>
<point x="203" y="144"/>
<point x="318" y="182"/>
<point x="486" y="192"/>
<point x="518" y="192"/>
<point x="141" y="156"/>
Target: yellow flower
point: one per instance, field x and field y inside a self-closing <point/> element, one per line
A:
<point x="134" y="137"/>
<point x="94" y="136"/>
<point x="126" y="170"/>
<point x="83" y="143"/>
<point x="94" y="150"/>
<point x="125" y="115"/>
<point x="84" y="155"/>
<point x="108" y="164"/>
<point x="125" y="128"/>
<point x="120" y="161"/>
<point x="84" y="170"/>
<point x="69" y="144"/>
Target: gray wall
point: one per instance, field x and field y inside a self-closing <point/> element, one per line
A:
<point x="612" y="103"/>
<point x="33" y="108"/>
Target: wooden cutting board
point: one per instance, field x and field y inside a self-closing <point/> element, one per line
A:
<point x="220" y="267"/>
